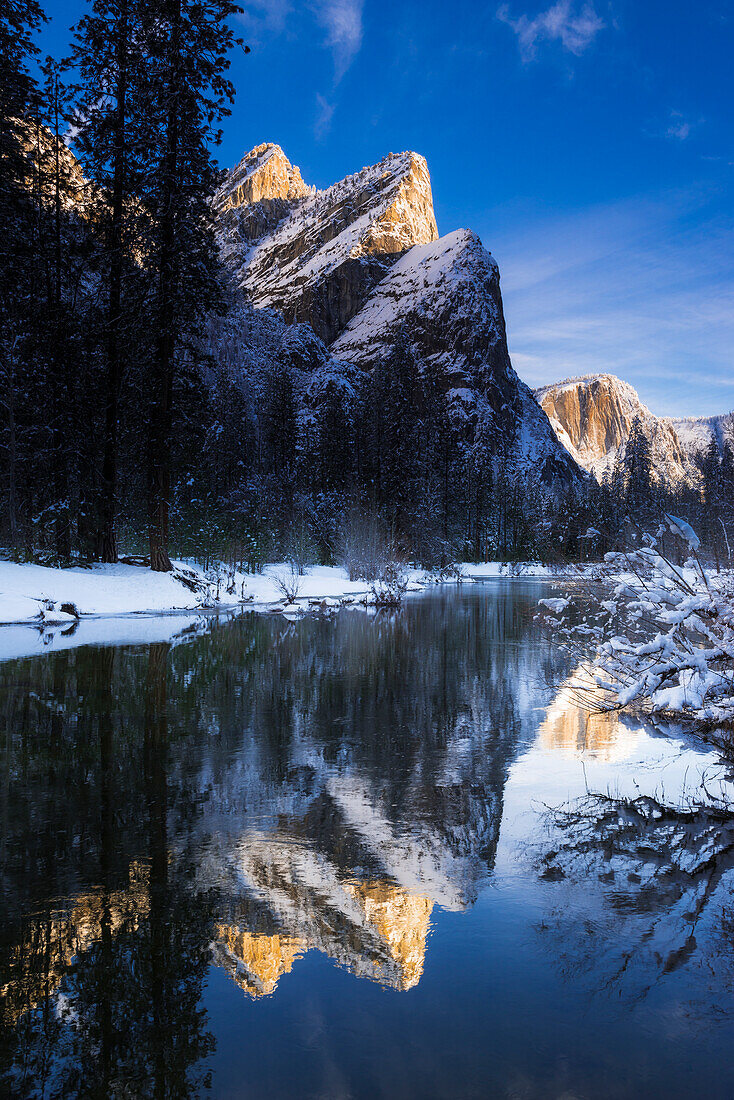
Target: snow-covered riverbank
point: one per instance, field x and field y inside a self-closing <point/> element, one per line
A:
<point x="35" y="593"/>
<point x="43" y="608"/>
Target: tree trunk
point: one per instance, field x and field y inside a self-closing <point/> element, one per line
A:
<point x="62" y="521"/>
<point x="159" y="455"/>
<point x="12" y="455"/>
<point x="108" y="534"/>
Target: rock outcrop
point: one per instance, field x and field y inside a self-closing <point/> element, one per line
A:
<point x="265" y="173"/>
<point x="315" y="255"/>
<point x="444" y="299"/>
<point x="362" y="264"/>
<point x="592" y="417"/>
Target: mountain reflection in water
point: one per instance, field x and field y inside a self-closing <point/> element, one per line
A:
<point x="250" y="798"/>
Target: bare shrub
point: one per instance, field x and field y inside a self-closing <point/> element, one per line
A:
<point x="288" y="581"/>
<point x="300" y="549"/>
<point x="389" y="588"/>
<point x="365" y="548"/>
<point x="451" y="572"/>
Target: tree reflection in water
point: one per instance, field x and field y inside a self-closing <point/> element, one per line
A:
<point x="102" y="992"/>
<point x="663" y="872"/>
<point x="262" y="790"/>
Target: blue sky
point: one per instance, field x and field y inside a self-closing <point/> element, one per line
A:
<point x="590" y="144"/>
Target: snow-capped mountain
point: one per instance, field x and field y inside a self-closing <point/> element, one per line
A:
<point x="593" y="415"/>
<point x="446" y="296"/>
<point x="362" y="264"/>
<point x="315" y="255"/>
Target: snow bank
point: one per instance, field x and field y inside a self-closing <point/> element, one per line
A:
<point x="34" y="639"/>
<point x="34" y="592"/>
<point x="487" y="569"/>
<point x="150" y="607"/>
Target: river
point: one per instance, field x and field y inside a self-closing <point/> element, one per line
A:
<point x="358" y="856"/>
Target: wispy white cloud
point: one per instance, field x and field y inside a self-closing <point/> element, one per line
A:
<point x="681" y="126"/>
<point x="342" y="22"/>
<point x="643" y="289"/>
<point x="338" y="27"/>
<point x="575" y="28"/>
<point x="323" y="117"/>
<point x="266" y="15"/>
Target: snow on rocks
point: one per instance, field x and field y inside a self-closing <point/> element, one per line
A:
<point x="666" y="636"/>
<point x="315" y="255"/>
<point x="362" y="264"/>
<point x="555" y="604"/>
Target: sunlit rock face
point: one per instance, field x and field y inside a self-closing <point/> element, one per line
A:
<point x="375" y="929"/>
<point x="318" y="253"/>
<point x="256" y="195"/>
<point x="362" y="264"/>
<point x="575" y="729"/>
<point x="593" y="416"/>
<point x="263" y="173"/>
<point x="40" y="146"/>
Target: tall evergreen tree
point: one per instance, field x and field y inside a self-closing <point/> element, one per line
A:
<point x="19" y="20"/>
<point x="109" y="56"/>
<point x="188" y="43"/>
<point x="637" y="467"/>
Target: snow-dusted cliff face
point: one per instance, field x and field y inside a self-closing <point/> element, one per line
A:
<point x="264" y="173"/>
<point x="593" y="415"/>
<point x="696" y="432"/>
<point x="444" y="298"/>
<point x="362" y="264"/>
<point x="315" y="255"/>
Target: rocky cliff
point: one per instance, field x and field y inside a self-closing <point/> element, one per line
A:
<point x="444" y="297"/>
<point x="315" y="255"/>
<point x="592" y="417"/>
<point x="696" y="432"/>
<point x="263" y="174"/>
<point x="362" y="264"/>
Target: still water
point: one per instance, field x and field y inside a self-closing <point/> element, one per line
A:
<point x="331" y="859"/>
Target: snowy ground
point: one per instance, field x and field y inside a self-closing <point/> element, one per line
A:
<point x="149" y="607"/>
<point x="33" y="593"/>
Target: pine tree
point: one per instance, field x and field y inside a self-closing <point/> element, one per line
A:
<point x="394" y="401"/>
<point x="188" y="42"/>
<point x="637" y="468"/>
<point x="19" y="20"/>
<point x="57" y="331"/>
<point x="109" y="56"/>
